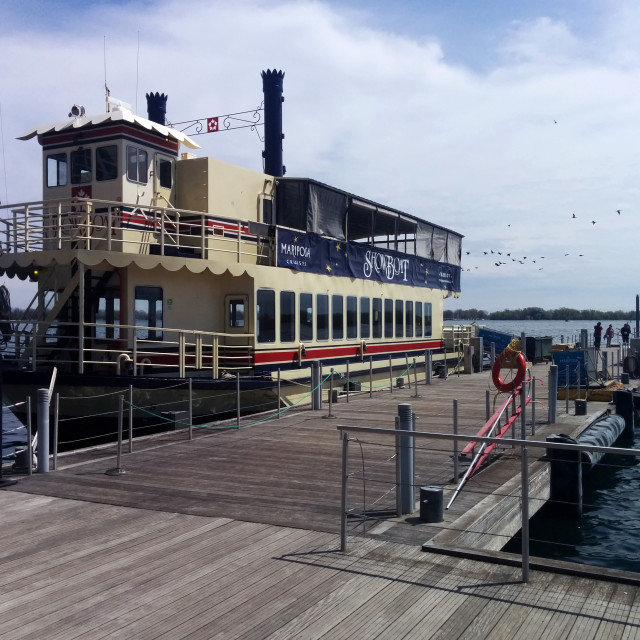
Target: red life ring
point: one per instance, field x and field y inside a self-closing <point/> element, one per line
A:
<point x="517" y="379"/>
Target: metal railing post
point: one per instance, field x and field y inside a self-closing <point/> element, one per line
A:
<point x="533" y="407"/>
<point x="390" y="375"/>
<point x="238" y="398"/>
<point x="130" y="418"/>
<point x="456" y="471"/>
<point x="348" y="382"/>
<point x="524" y="469"/>
<point x="428" y="364"/>
<point x="567" y="388"/>
<point x="553" y="393"/>
<point x="190" y="409"/>
<point x="345" y="489"/>
<point x="56" y="415"/>
<point x="487" y="405"/>
<point x="118" y="470"/>
<point x="406" y="456"/>
<point x="279" y="397"/>
<point x="29" y="436"/>
<point x="371" y="376"/>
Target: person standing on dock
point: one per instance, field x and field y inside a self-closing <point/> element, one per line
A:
<point x="625" y="332"/>
<point x="608" y="334"/>
<point x="597" y="335"/>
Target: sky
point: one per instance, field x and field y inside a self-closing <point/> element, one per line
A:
<point x="515" y="124"/>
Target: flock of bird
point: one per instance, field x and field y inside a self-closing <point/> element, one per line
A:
<point x="497" y="258"/>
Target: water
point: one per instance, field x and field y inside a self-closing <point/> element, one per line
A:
<point x="559" y="330"/>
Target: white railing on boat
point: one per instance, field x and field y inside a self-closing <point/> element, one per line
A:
<point x="92" y="224"/>
<point x="120" y="349"/>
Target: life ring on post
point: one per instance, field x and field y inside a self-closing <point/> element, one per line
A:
<point x="509" y="358"/>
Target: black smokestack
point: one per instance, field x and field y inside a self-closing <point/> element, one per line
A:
<point x="157" y="107"/>
<point x="272" y="154"/>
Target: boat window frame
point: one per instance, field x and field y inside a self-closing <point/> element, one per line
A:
<point x="265" y="315"/>
<point x="388" y="318"/>
<point x="137" y="164"/>
<point x="377" y="321"/>
<point x="351" y="316"/>
<point x="337" y="316"/>
<point x="108" y="166"/>
<point x="288" y="321"/>
<point x="365" y="317"/>
<point x="428" y="319"/>
<point x="81" y="166"/>
<point x="322" y="311"/>
<point x="150" y="294"/>
<point x="305" y="317"/>
<point x="399" y="318"/>
<point x="54" y="163"/>
<point x="418" y="319"/>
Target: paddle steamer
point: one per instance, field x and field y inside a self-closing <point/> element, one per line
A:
<point x="155" y="265"/>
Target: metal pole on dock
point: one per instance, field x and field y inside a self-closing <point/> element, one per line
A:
<point x="130" y="418"/>
<point x="118" y="470"/>
<point x="406" y="356"/>
<point x="330" y="414"/>
<point x="524" y="478"/>
<point x="279" y="396"/>
<point x="43" y="430"/>
<point x="190" y="409"/>
<point x="390" y="375"/>
<point x="566" y="386"/>
<point x="371" y="376"/>
<point x="428" y="365"/>
<point x="487" y="405"/>
<point x="415" y="377"/>
<point x="456" y="471"/>
<point x="533" y="407"/>
<point x="553" y="393"/>
<point x="29" y="437"/>
<point x="406" y="458"/>
<point x="56" y="415"/>
<point x="348" y="382"/>
<point x="345" y="489"/>
<point x="238" y="398"/>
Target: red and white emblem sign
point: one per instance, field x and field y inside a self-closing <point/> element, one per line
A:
<point x="212" y="124"/>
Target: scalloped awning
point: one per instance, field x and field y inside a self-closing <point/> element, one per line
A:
<point x="113" y="116"/>
<point x="22" y="265"/>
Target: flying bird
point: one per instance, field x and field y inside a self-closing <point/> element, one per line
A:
<point x="593" y="222"/>
<point x="618" y="210"/>
<point x="574" y="216"/>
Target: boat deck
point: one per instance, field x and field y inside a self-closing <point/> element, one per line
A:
<point x="235" y="535"/>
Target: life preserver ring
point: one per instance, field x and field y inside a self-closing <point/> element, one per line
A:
<point x="505" y="357"/>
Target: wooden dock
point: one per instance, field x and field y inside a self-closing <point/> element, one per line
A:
<point x="234" y="534"/>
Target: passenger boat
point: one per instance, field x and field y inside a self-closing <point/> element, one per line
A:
<point x="155" y="266"/>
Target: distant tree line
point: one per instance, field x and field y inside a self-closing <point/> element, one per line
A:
<point x="537" y="313"/>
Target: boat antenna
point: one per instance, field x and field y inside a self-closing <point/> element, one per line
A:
<point x="137" y="70"/>
<point x="106" y="88"/>
<point x="4" y="164"/>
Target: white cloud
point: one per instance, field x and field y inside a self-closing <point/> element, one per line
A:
<point x="384" y="115"/>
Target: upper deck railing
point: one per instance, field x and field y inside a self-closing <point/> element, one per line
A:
<point x="128" y="228"/>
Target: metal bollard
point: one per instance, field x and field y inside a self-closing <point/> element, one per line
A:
<point x="43" y="430"/>
<point x="553" y="393"/>
<point x="406" y="459"/>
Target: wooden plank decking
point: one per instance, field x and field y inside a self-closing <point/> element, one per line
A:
<point x="234" y="535"/>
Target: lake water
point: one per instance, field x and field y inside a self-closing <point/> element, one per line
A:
<point x="559" y="330"/>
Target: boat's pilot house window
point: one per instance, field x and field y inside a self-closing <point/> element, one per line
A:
<point x="57" y="170"/>
<point x="165" y="173"/>
<point x="81" y="170"/>
<point x="148" y="313"/>
<point x="137" y="164"/>
<point x="107" y="163"/>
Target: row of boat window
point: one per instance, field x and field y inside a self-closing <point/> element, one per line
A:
<point x="335" y="317"/>
<point x="77" y="167"/>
